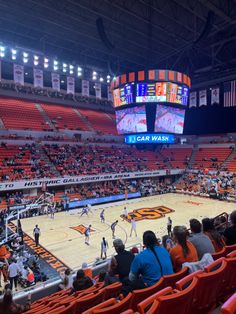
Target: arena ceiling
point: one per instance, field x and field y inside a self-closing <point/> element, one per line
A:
<point x="194" y="36"/>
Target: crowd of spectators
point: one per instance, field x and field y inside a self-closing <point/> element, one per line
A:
<point x="219" y="185"/>
<point x="186" y="245"/>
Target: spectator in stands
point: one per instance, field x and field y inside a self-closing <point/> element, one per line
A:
<point x="201" y="241"/>
<point x="120" y="263"/>
<point x="215" y="237"/>
<point x="152" y="263"/>
<point x="230" y="232"/>
<point x="13" y="273"/>
<point x="184" y="250"/>
<point x="8" y="306"/>
<point x="81" y="282"/>
<point x="67" y="280"/>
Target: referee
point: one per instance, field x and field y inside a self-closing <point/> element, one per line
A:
<point x="36" y="233"/>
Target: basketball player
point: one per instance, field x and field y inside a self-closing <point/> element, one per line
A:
<point x="87" y="234"/>
<point x="102" y="217"/>
<point x="52" y="210"/>
<point x="84" y="211"/>
<point x="133" y="226"/>
<point x="89" y="206"/>
<point x="113" y="228"/>
<point x="125" y="213"/>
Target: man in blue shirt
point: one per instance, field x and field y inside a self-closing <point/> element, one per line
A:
<point x="153" y="263"/>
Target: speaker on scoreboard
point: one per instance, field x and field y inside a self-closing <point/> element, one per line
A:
<point x="207" y="28"/>
<point x="102" y="34"/>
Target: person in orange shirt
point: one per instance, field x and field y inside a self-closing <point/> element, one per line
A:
<point x="184" y="250"/>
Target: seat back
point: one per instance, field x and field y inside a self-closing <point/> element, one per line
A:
<point x="88" y="301"/>
<point x="229" y="248"/>
<point x="112" y="291"/>
<point x="220" y="263"/>
<point x="141" y="294"/>
<point x="69" y="309"/>
<point x="232" y="254"/>
<point x="219" y="254"/>
<point x="229" y="307"/>
<point x="230" y="276"/>
<point x="116" y="308"/>
<point x="170" y="280"/>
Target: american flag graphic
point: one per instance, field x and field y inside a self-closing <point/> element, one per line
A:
<point x="230" y="94"/>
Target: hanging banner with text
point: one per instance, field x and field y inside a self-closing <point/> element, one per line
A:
<point x="98" y="90"/>
<point x="56" y="82"/>
<point x="202" y="97"/>
<point x="85" y="88"/>
<point x="215" y="96"/>
<point x="109" y="93"/>
<point x="38" y="78"/>
<point x="30" y="184"/>
<point x="70" y="85"/>
<point x="193" y="99"/>
<point x="18" y="74"/>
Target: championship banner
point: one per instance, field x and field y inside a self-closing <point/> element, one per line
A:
<point x="18" y="74"/>
<point x="70" y="85"/>
<point x="202" y="97"/>
<point x="109" y="93"/>
<point x="85" y="88"/>
<point x="38" y="78"/>
<point x="98" y="90"/>
<point x="56" y="81"/>
<point x="193" y="99"/>
<point x="215" y="96"/>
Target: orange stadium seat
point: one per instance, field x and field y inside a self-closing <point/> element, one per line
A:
<point x="88" y="301"/>
<point x="112" y="291"/>
<point x="229" y="307"/>
<point x="169" y="301"/>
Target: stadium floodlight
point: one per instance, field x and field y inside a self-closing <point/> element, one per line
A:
<point x="55" y="62"/>
<point x="36" y="62"/>
<point x="71" y="71"/>
<point x="79" y="73"/>
<point x="62" y="81"/>
<point x="101" y="79"/>
<point x="25" y="60"/>
<point x="94" y="78"/>
<point x="108" y="77"/>
<point x="46" y="60"/>
<point x="2" y="48"/>
<point x="94" y="73"/>
<point x="79" y="69"/>
<point x="55" y="67"/>
<point x="64" y="67"/>
<point x="71" y="67"/>
<point x="36" y="58"/>
<point x="2" y="51"/>
<point x="25" y="54"/>
<point x="45" y="65"/>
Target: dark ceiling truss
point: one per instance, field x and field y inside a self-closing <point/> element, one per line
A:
<point x="145" y="33"/>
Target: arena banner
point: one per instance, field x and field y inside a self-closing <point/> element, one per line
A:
<point x="202" y="97"/>
<point x="85" y="88"/>
<point x="70" y="85"/>
<point x="56" y="81"/>
<point x="193" y="99"/>
<point x="38" y="78"/>
<point x="98" y="90"/>
<point x="215" y="96"/>
<point x="30" y="184"/>
<point x="18" y="74"/>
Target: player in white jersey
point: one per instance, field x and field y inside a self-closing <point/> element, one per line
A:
<point x="125" y="213"/>
<point x="133" y="226"/>
<point x="102" y="216"/>
<point x="87" y="234"/>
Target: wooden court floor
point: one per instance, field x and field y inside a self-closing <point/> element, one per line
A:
<point x="68" y="244"/>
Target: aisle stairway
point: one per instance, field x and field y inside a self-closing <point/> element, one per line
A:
<point x="45" y="116"/>
<point x="85" y="120"/>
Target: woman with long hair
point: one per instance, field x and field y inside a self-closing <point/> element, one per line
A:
<point x="8" y="306"/>
<point x="215" y="237"/>
<point x="184" y="250"/>
<point x="152" y="263"/>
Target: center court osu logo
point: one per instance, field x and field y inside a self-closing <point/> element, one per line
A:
<point x="81" y="229"/>
<point x="148" y="213"/>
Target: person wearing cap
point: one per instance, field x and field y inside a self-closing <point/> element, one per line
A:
<point x="120" y="263"/>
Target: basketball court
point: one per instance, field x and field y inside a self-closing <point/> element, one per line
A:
<point x="63" y="236"/>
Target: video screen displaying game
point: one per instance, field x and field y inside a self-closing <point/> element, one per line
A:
<point x="131" y="120"/>
<point x="169" y="119"/>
